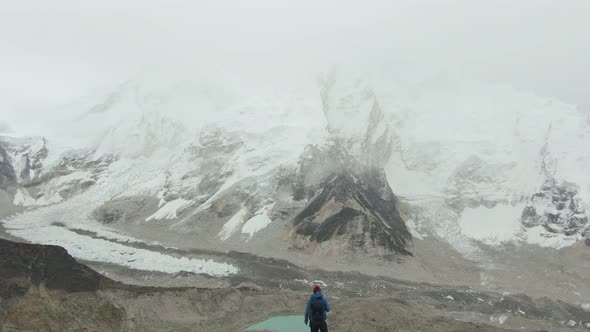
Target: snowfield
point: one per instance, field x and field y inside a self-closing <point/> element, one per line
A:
<point x="492" y="225"/>
<point x="98" y="250"/>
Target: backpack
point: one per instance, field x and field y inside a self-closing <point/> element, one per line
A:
<point x="317" y="310"/>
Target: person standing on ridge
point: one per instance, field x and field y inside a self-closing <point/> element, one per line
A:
<point x="315" y="312"/>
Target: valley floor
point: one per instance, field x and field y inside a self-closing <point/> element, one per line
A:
<point x="436" y="290"/>
<point x="91" y="301"/>
<point x="536" y="271"/>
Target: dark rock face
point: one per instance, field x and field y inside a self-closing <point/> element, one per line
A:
<point x="561" y="212"/>
<point x="126" y="209"/>
<point x="7" y="174"/>
<point x="33" y="162"/>
<point x="42" y="288"/>
<point x="214" y="151"/>
<point x="23" y="265"/>
<point x="79" y="161"/>
<point x="347" y="202"/>
<point x="35" y="178"/>
<point x="586" y="234"/>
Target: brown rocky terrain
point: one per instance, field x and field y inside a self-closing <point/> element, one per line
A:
<point x="42" y="288"/>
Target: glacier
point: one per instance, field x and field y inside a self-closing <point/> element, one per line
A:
<point x="467" y="158"/>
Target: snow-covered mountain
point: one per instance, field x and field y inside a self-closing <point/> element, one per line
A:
<point x="490" y="153"/>
<point x="325" y="173"/>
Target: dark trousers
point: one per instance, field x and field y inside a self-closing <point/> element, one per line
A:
<point x="323" y="327"/>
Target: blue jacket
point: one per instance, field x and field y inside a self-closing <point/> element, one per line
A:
<point x="308" y="308"/>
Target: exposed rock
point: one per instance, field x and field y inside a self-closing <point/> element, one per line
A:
<point x="126" y="209"/>
<point x="24" y="265"/>
<point x="7" y="174"/>
<point x="214" y="141"/>
<point x="475" y="183"/>
<point x="32" y="161"/>
<point x="557" y="208"/>
<point x="211" y="160"/>
<point x="349" y="203"/>
<point x="38" y="183"/>
<point x="586" y="234"/>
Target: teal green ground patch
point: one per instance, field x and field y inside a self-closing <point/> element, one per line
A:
<point x="281" y="324"/>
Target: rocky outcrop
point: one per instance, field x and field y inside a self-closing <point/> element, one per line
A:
<point x="25" y="265"/>
<point x="42" y="288"/>
<point x="556" y="207"/>
<point x="7" y="174"/>
<point x="126" y="209"/>
<point x="26" y="157"/>
<point x="206" y="166"/>
<point x="347" y="203"/>
<point x="476" y="182"/>
<point x="32" y="162"/>
<point x="27" y="153"/>
<point x="36" y="182"/>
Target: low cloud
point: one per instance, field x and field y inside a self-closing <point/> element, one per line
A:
<point x="54" y="53"/>
<point x="5" y="128"/>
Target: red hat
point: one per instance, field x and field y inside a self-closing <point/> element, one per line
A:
<point x="316" y="288"/>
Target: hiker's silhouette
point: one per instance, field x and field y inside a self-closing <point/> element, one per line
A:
<point x="316" y="311"/>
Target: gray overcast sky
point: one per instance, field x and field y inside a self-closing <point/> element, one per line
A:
<point x="53" y="51"/>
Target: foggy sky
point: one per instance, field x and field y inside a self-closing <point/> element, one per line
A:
<point x="55" y="51"/>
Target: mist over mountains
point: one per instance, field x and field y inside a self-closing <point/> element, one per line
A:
<point x="212" y="144"/>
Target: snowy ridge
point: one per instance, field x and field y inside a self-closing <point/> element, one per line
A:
<point x="50" y="224"/>
<point x="469" y="158"/>
<point x="488" y="157"/>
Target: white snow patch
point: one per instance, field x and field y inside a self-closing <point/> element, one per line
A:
<point x="312" y="282"/>
<point x="170" y="209"/>
<point x="258" y="222"/>
<point x="320" y="282"/>
<point x="233" y="224"/>
<point x="499" y="319"/>
<point x="586" y="306"/>
<point x="538" y="235"/>
<point x="492" y="225"/>
<point x="450" y="298"/>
